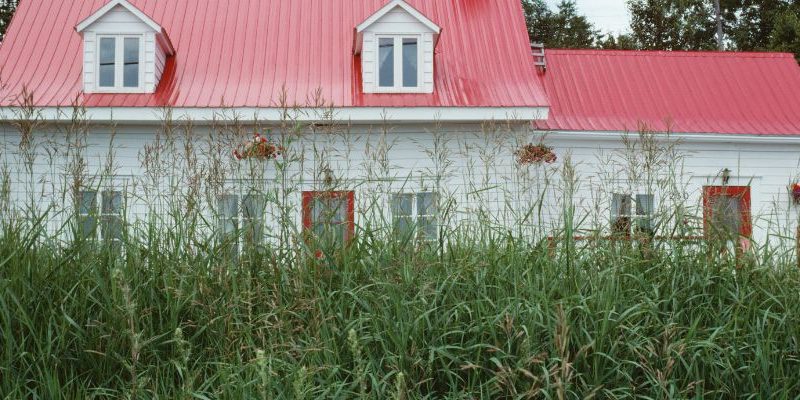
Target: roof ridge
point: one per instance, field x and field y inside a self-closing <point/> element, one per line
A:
<point x="676" y="53"/>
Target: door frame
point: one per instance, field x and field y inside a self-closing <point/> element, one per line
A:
<point x="741" y="192"/>
<point x="308" y="210"/>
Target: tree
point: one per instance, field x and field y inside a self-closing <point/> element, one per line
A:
<point x="673" y="24"/>
<point x="565" y="28"/>
<point x="690" y="24"/>
<point x="785" y="35"/>
<point x="7" y="8"/>
<point x="618" y="42"/>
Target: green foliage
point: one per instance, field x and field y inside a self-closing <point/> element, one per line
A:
<point x="7" y="8"/>
<point x="786" y="34"/>
<point x="489" y="317"/>
<point x="564" y="28"/>
<point x="749" y="25"/>
<point x="673" y="24"/>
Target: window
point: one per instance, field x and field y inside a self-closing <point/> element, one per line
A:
<point x="726" y="213"/>
<point x="398" y="63"/>
<point x="119" y="62"/>
<point x="241" y="217"/>
<point x="415" y="216"/>
<point x="328" y="217"/>
<point x="624" y="221"/>
<point x="109" y="215"/>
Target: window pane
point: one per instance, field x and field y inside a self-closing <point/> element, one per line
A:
<point x="644" y="204"/>
<point x="108" y="54"/>
<point x="386" y="62"/>
<point x="620" y="205"/>
<point x="402" y="204"/>
<point x="87" y="226"/>
<point x="403" y="227"/>
<point x="131" y="70"/>
<point x="426" y="204"/>
<point x="228" y="213"/>
<point x="726" y="218"/>
<point x="410" y="61"/>
<point x="112" y="215"/>
<point x="620" y="213"/>
<point x="112" y="227"/>
<point x="253" y="213"/>
<point x="88" y="202"/>
<point x="427" y="228"/>
<point x="329" y="214"/>
<point x="112" y="202"/>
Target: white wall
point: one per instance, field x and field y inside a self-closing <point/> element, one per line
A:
<point x="472" y="168"/>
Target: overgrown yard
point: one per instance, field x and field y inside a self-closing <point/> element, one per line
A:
<point x="484" y="318"/>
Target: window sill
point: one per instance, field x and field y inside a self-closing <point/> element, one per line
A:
<point x="120" y="91"/>
<point x="416" y="90"/>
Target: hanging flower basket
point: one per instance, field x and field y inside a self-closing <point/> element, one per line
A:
<point x="259" y="148"/>
<point x="535" y="154"/>
<point x="795" y="191"/>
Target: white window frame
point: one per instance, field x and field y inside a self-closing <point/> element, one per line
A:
<point x="119" y="64"/>
<point x="415" y="216"/>
<point x="398" y="64"/>
<point x="99" y="214"/>
<point x="633" y="215"/>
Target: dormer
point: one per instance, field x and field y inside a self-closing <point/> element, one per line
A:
<point x="396" y="46"/>
<point x="124" y="50"/>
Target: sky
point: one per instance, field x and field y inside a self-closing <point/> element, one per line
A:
<point x="606" y="15"/>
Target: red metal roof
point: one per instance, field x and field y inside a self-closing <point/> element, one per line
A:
<point x="243" y="53"/>
<point x="693" y="92"/>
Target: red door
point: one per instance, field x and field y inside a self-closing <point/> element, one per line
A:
<point x="726" y="211"/>
<point x="329" y="217"/>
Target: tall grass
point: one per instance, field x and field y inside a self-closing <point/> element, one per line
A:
<point x="495" y="319"/>
<point x="505" y="303"/>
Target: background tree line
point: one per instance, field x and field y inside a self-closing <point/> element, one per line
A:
<point x="749" y="25"/>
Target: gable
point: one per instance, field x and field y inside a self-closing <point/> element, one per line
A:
<point x="399" y="12"/>
<point x="118" y="20"/>
<point x="118" y="11"/>
<point x="398" y="20"/>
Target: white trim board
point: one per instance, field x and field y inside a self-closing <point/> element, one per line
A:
<point x="147" y="115"/>
<point x="682" y="137"/>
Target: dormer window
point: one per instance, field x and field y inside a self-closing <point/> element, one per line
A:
<point x="119" y="62"/>
<point x="396" y="45"/>
<point x="398" y="62"/>
<point x="124" y="51"/>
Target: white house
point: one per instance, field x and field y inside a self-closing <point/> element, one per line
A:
<point x="428" y="116"/>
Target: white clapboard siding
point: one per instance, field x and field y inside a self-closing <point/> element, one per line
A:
<point x="468" y="166"/>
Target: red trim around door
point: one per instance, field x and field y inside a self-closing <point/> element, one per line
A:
<point x="741" y="192"/>
<point x="308" y="211"/>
